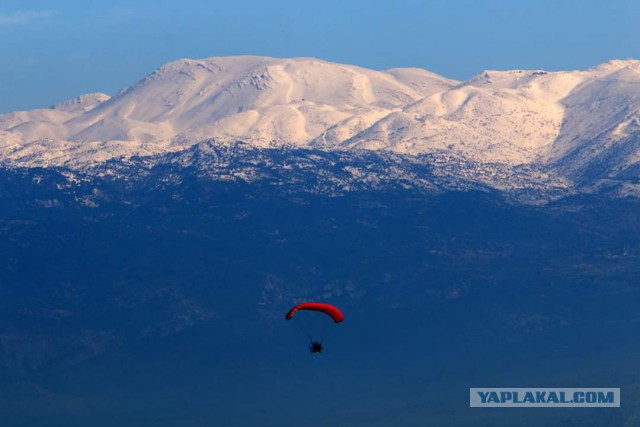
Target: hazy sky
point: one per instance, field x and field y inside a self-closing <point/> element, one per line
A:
<point x="54" y="50"/>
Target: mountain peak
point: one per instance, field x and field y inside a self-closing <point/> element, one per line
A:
<point x="504" y="78"/>
<point x="616" y="64"/>
<point x="82" y="103"/>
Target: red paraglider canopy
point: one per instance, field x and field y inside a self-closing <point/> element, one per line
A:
<point x="328" y="309"/>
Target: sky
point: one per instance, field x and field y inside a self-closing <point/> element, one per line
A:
<point x="55" y="50"/>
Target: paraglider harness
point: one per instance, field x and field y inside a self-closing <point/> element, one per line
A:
<point x="315" y="347"/>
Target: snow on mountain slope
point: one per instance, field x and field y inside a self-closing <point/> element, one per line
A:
<point x="82" y="103"/>
<point x="601" y="131"/>
<point x="500" y="116"/>
<point x="573" y="121"/>
<point x="256" y="99"/>
<point x="500" y="125"/>
<point x="519" y="117"/>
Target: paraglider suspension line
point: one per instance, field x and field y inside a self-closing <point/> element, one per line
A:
<point x="322" y="330"/>
<point x="305" y="332"/>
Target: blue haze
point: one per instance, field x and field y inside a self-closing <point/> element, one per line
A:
<point x="160" y="300"/>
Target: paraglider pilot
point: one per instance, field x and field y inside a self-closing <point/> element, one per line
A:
<point x="315" y="347"/>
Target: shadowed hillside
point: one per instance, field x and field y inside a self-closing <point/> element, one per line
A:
<point x="160" y="300"/>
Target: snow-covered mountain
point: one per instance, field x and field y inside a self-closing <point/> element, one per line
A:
<point x="263" y="101"/>
<point x="584" y="125"/>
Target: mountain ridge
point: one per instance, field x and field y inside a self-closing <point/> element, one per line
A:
<point x="579" y="124"/>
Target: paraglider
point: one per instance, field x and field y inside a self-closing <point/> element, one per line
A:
<point x="315" y="346"/>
